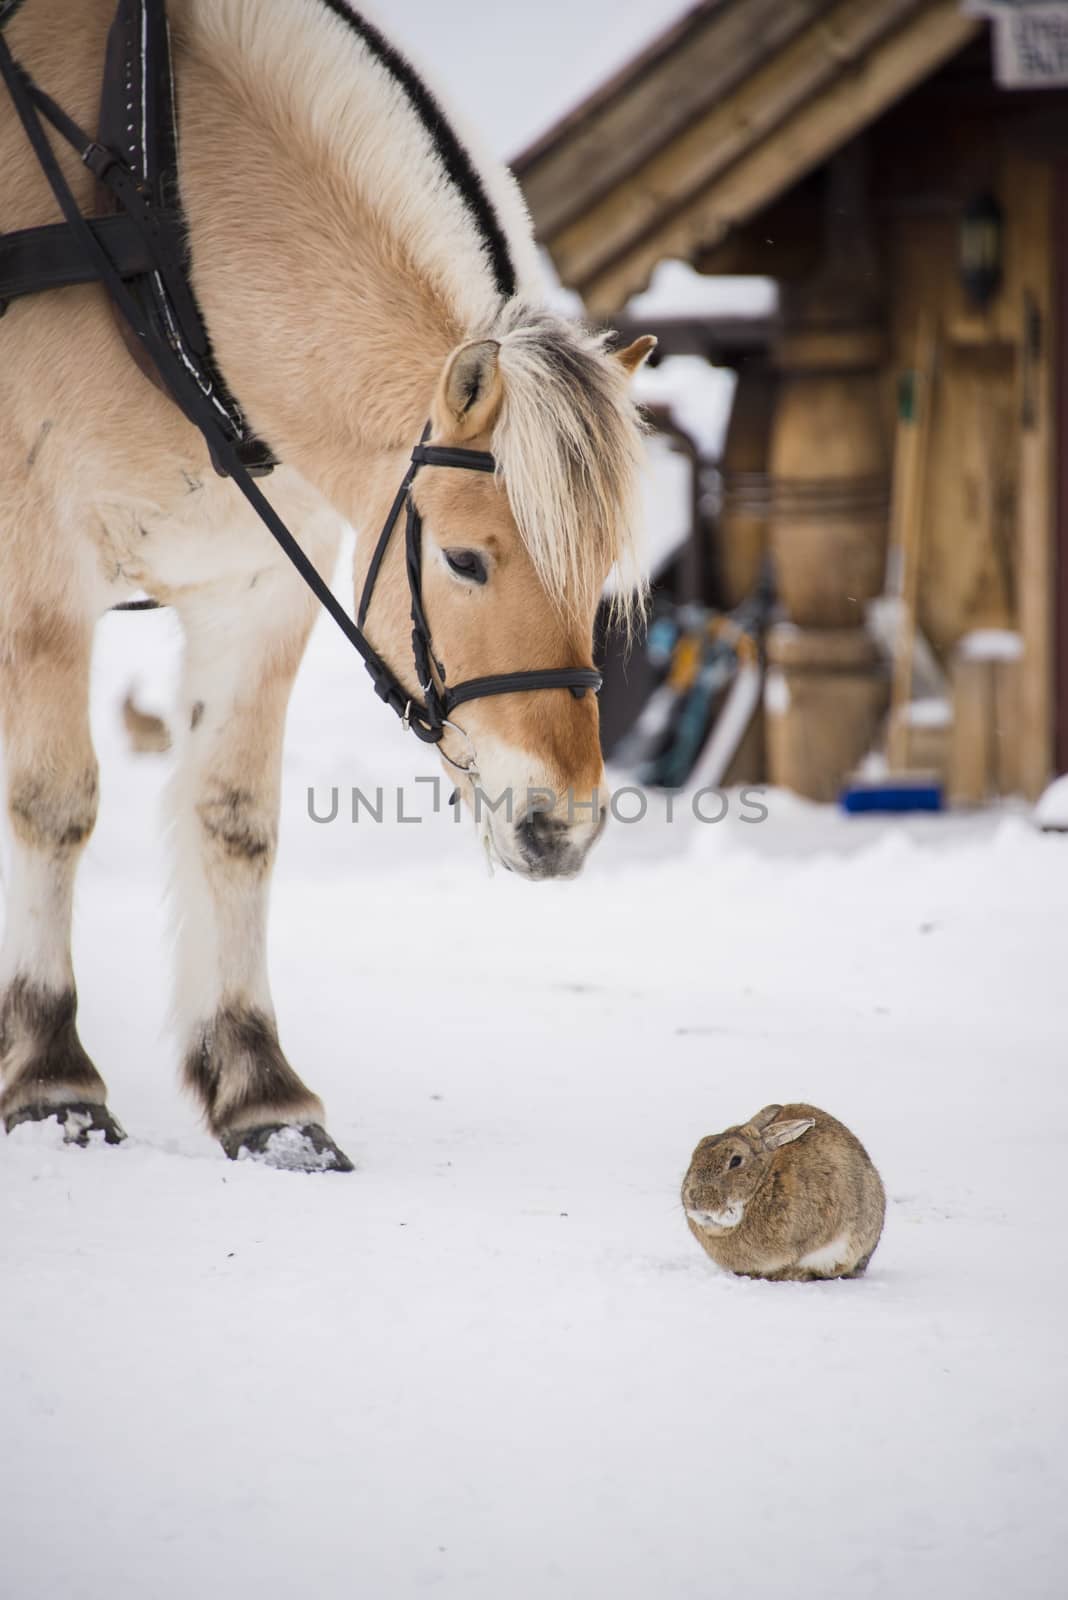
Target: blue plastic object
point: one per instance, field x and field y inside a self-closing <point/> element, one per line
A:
<point x="893" y="795"/>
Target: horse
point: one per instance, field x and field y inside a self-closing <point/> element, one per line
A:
<point x="361" y="267"/>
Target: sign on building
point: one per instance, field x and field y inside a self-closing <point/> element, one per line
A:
<point x="1030" y="41"/>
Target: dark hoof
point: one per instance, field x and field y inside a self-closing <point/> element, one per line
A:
<point x="79" y="1121"/>
<point x="287" y="1146"/>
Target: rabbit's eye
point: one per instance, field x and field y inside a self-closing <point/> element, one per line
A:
<point x="735" y="1161"/>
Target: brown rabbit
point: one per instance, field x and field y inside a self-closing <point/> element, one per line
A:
<point x="790" y="1194"/>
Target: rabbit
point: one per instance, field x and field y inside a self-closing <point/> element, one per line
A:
<point x="791" y="1194"/>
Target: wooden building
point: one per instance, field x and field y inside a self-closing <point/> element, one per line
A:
<point x="914" y="214"/>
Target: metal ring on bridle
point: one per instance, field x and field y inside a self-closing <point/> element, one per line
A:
<point x="472" y="768"/>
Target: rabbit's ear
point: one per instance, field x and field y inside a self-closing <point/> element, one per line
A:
<point x="762" y="1118"/>
<point x="786" y="1132"/>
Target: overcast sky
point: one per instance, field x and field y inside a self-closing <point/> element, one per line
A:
<point x="516" y="68"/>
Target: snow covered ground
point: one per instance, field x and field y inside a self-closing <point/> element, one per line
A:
<point x="493" y="1361"/>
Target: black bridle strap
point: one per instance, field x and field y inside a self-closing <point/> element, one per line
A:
<point x="447" y="455"/>
<point x="422" y="649"/>
<point x="577" y="679"/>
<point x="423" y="455"/>
<point x="382" y="545"/>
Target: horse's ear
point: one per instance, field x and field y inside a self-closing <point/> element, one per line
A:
<point x="636" y="354"/>
<point x="469" y="395"/>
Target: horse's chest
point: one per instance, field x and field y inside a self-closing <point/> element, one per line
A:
<point x="203" y="534"/>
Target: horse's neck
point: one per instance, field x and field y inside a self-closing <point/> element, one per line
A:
<point x="327" y="333"/>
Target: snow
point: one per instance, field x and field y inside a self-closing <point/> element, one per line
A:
<point x="931" y="712"/>
<point x="667" y="506"/>
<point x="699" y="395"/>
<point x="493" y="1360"/>
<point x="991" y="644"/>
<point x="1051" y="810"/>
<point x="677" y="290"/>
<point x="776" y="693"/>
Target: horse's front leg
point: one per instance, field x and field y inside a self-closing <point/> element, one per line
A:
<point x="51" y="780"/>
<point x="241" y="657"/>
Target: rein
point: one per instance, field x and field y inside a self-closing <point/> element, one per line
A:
<point x="140" y="258"/>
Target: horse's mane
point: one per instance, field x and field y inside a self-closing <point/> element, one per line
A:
<point x="567" y="439"/>
<point x="567" y="443"/>
<point x="454" y="211"/>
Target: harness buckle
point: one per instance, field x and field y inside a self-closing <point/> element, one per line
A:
<point x="99" y="159"/>
<point x="406" y="717"/>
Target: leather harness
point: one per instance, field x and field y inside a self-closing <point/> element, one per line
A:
<point x="138" y="252"/>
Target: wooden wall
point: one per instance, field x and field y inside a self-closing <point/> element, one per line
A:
<point x="990" y="517"/>
<point x="988" y="533"/>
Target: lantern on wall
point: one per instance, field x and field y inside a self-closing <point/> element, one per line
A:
<point x="982" y="234"/>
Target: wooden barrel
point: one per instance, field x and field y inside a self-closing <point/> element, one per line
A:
<point x="825" y="694"/>
<point x="743" y="519"/>
<point x="829" y="496"/>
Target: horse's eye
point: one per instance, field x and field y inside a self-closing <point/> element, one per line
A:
<point x="467" y="564"/>
<point x="735" y="1161"/>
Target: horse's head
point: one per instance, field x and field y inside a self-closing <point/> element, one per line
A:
<point x="513" y="567"/>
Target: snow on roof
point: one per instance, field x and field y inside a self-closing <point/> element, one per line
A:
<point x="676" y="290"/>
<point x="699" y="397"/>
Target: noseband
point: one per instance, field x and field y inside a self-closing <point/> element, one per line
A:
<point x="140" y="257"/>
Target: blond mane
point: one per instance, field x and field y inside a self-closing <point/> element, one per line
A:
<point x="568" y="447"/>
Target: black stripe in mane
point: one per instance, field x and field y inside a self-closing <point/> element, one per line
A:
<point x="457" y="162"/>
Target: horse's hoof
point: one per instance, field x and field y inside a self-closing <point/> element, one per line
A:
<point x="79" y="1121"/>
<point x="288" y="1146"/>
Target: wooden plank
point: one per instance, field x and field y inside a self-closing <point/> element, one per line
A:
<point x="800" y="143"/>
<point x="987" y="741"/>
<point x="971" y="756"/>
<point x="911" y="461"/>
<point x="1059" y="535"/>
<point x="710" y="144"/>
<point x="1009" y="733"/>
<point x="576" y="164"/>
<point x="968" y="563"/>
<point x="1030" y="240"/>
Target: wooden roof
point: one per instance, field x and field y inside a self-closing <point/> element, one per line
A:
<point x="717" y="118"/>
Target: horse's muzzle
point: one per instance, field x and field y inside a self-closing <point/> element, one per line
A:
<point x="547" y="847"/>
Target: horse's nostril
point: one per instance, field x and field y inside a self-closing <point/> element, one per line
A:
<point x="539" y="835"/>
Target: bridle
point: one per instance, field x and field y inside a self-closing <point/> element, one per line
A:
<point x="429" y="718"/>
<point x="140" y="257"/>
